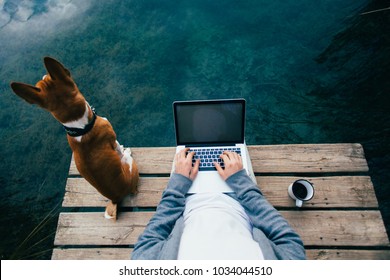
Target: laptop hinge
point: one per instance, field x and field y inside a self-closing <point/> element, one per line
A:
<point x="210" y="145"/>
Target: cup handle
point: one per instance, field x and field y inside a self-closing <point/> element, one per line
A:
<point x="298" y="203"/>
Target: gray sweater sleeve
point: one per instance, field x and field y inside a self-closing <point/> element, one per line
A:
<point x="284" y="241"/>
<point x="151" y="242"/>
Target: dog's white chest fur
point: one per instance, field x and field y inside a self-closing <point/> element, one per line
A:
<point x="80" y="123"/>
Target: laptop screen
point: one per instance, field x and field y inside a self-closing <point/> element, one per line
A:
<point x="211" y="122"/>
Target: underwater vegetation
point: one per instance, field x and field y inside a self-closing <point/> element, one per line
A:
<point x="360" y="55"/>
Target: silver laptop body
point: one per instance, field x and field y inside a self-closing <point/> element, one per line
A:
<point x="210" y="127"/>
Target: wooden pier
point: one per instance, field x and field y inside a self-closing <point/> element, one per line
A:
<point x="342" y="221"/>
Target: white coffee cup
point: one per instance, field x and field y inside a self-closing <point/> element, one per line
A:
<point x="301" y="190"/>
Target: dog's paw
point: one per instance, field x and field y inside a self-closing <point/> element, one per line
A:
<point x="127" y="152"/>
<point x="111" y="211"/>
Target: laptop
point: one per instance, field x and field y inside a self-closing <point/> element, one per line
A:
<point x="209" y="127"/>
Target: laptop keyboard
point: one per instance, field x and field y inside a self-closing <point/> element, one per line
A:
<point x="208" y="155"/>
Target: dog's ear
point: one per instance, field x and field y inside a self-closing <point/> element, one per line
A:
<point x="28" y="92"/>
<point x="56" y="69"/>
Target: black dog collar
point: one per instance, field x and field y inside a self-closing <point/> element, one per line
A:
<point x="74" y="132"/>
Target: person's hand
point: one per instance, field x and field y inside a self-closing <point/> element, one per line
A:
<point x="233" y="164"/>
<point x="183" y="164"/>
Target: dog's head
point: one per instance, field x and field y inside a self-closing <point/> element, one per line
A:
<point x="56" y="92"/>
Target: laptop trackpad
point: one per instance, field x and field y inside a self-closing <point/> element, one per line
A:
<point x="209" y="181"/>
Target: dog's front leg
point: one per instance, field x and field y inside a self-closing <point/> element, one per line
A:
<point x="127" y="158"/>
<point x="119" y="149"/>
<point x="125" y="154"/>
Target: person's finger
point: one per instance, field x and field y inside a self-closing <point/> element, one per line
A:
<point x="236" y="156"/>
<point x="184" y="152"/>
<point x="179" y="155"/>
<point x="221" y="172"/>
<point x="197" y="164"/>
<point x="195" y="169"/>
<point x="190" y="155"/>
<point x="224" y="157"/>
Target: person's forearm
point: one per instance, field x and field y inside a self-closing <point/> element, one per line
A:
<point x="160" y="226"/>
<point x="265" y="217"/>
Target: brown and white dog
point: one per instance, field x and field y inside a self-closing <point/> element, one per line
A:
<point x="100" y="159"/>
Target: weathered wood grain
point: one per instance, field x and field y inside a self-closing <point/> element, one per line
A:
<point x="79" y="193"/>
<point x="308" y="158"/>
<point x="267" y="159"/>
<point x="92" y="254"/>
<point x="339" y="228"/>
<point x="320" y="228"/>
<point x="94" y="229"/>
<point x="124" y="254"/>
<point x="330" y="192"/>
<point x="149" y="160"/>
<point x="336" y="254"/>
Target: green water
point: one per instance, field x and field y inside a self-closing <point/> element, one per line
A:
<point x="311" y="72"/>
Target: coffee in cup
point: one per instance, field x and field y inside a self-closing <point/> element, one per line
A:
<point x="301" y="190"/>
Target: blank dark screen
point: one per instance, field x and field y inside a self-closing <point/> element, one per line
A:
<point x="210" y="123"/>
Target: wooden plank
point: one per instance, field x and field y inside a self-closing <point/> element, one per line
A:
<point x="339" y="228"/>
<point x="312" y="158"/>
<point x="92" y="254"/>
<point x="149" y="160"/>
<point x="94" y="229"/>
<point x="79" y="193"/>
<point x="124" y="254"/>
<point x="330" y="192"/>
<point x="336" y="192"/>
<point x="319" y="228"/>
<point x="336" y="254"/>
<point x="308" y="158"/>
<point x="154" y="160"/>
